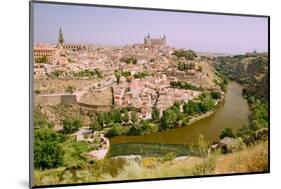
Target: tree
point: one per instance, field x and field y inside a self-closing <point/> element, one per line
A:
<point x="117" y="76"/>
<point x="164" y="122"/>
<point x="117" y="116"/>
<point x="126" y="117"/>
<point x="70" y="126"/>
<point x="98" y="72"/>
<point x="95" y="126"/>
<point x="100" y="118"/>
<point x="116" y="130"/>
<point x="185" y="108"/>
<point x="155" y="114"/>
<point x="134" y="117"/>
<point x="168" y="119"/>
<point x="216" y="95"/>
<point x="206" y="105"/>
<point x="227" y="132"/>
<point x="47" y="150"/>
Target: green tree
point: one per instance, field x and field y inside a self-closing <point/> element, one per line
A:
<point x="155" y="114"/>
<point x="70" y="126"/>
<point x="134" y="117"/>
<point x="227" y="132"/>
<point x="95" y="126"/>
<point x="126" y="117"/>
<point x="185" y="108"/>
<point x="117" y="76"/>
<point x="100" y="118"/>
<point x="48" y="152"/>
<point x="117" y="116"/>
<point x="116" y="130"/>
<point x="216" y="95"/>
<point x="168" y="119"/>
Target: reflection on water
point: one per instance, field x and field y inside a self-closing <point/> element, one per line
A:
<point x="232" y="113"/>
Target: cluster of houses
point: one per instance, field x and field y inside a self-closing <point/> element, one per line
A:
<point x="149" y="92"/>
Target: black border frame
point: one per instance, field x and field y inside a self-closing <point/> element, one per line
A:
<point x="31" y="42"/>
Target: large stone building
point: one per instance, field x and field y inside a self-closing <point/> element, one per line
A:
<point x="155" y="41"/>
<point x="68" y="46"/>
<point x="44" y="50"/>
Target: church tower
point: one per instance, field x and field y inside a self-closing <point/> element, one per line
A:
<point x="61" y="38"/>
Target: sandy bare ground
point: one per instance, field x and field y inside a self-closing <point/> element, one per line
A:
<point x="101" y="153"/>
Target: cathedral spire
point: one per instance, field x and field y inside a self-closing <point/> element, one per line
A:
<point x="61" y="38"/>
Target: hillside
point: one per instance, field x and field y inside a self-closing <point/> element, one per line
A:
<point x="251" y="70"/>
<point x="254" y="158"/>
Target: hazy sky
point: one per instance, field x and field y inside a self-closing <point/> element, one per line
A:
<point x="111" y="26"/>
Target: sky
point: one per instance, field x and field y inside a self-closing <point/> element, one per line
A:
<point x="118" y="27"/>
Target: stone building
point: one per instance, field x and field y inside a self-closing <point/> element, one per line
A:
<point x="42" y="50"/>
<point x="155" y="41"/>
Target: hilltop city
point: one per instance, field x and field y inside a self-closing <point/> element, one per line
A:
<point x="139" y="74"/>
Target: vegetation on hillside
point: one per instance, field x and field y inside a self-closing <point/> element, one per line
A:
<point x="186" y="66"/>
<point x="43" y="59"/>
<point x="187" y="54"/>
<point x="185" y="85"/>
<point x="250" y="70"/>
<point x="82" y="73"/>
<point x="129" y="60"/>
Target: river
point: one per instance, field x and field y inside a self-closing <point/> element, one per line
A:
<point x="232" y="113"/>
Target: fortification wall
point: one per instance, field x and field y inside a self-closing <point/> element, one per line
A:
<point x="55" y="99"/>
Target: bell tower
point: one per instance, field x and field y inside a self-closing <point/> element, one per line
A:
<point x="61" y="38"/>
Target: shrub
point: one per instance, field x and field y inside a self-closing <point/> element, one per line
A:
<point x="185" y="85"/>
<point x="116" y="130"/>
<point x="134" y="117"/>
<point x="155" y="114"/>
<point x="216" y="95"/>
<point x="41" y="121"/>
<point x="95" y="126"/>
<point x="70" y="126"/>
<point x="238" y="145"/>
<point x="169" y="156"/>
<point x="150" y="162"/>
<point x="187" y="54"/>
<point x="227" y="132"/>
<point x="125" y="116"/>
<point x="70" y="89"/>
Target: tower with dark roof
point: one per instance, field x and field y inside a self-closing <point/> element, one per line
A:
<point x="61" y="38"/>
